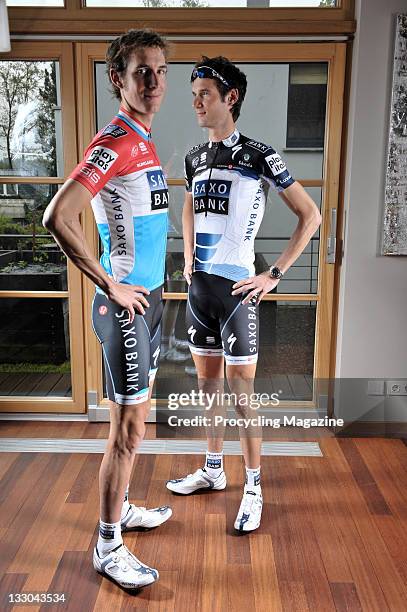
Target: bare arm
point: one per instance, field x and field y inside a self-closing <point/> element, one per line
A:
<point x="62" y="219"/>
<point x="188" y="235"/>
<point x="309" y="219"/>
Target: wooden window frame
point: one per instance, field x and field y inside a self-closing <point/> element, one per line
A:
<point x="332" y="53"/>
<point x="63" y="53"/>
<point x="76" y="19"/>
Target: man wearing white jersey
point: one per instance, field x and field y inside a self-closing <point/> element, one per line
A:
<point x="227" y="182"/>
<point x="121" y="178"/>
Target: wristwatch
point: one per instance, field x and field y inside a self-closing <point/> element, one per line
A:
<point x="276" y="272"/>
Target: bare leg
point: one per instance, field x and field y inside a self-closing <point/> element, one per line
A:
<point x="241" y="381"/>
<point x="127" y="430"/>
<point x="210" y="372"/>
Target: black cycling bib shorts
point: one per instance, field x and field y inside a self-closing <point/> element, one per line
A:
<point x="218" y="323"/>
<point x="130" y="350"/>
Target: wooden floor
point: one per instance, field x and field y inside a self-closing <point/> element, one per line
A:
<point x="333" y="535"/>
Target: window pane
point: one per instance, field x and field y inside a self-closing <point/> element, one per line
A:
<point x="306" y="105"/>
<point x="30" y="259"/>
<point x="35" y="2"/>
<point x="34" y="347"/>
<point x="263" y="117"/>
<point x="30" y="119"/>
<point x="286" y="353"/>
<point x="212" y="3"/>
<point x="275" y="232"/>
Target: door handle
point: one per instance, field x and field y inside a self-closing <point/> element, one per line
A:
<point x="331" y="245"/>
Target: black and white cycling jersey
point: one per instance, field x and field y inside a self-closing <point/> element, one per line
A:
<point x="229" y="182"/>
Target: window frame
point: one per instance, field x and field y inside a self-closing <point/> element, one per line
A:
<point x="77" y="19"/>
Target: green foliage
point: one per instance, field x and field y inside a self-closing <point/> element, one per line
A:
<point x="30" y="368"/>
<point x="327" y="3"/>
<point x="10" y="227"/>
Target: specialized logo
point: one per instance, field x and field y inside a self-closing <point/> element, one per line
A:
<point x="235" y="150"/>
<point x="102" y="310"/>
<point x="158" y="188"/>
<point x="231" y="340"/>
<point x="114" y="130"/>
<point x="257" y="145"/>
<point x="155" y="356"/>
<point x="103" y="158"/>
<point x="192" y="332"/>
<point x="212" y="196"/>
<point x="275" y="163"/>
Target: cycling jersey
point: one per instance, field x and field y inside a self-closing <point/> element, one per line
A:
<point x="218" y="323"/>
<point x="130" y="350"/>
<point x="122" y="171"/>
<point x="229" y="182"/>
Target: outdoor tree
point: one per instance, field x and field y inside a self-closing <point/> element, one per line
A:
<point x="17" y="86"/>
<point x="46" y="117"/>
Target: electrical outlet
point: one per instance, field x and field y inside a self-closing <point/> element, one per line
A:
<point x="396" y="387"/>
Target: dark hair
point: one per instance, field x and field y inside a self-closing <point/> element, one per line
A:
<point x="122" y="47"/>
<point x="231" y="73"/>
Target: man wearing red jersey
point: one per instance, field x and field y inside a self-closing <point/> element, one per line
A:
<point x="121" y="178"/>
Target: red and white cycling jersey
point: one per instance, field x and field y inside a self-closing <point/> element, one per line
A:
<point x="122" y="171"/>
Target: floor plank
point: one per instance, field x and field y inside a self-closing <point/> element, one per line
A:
<point x="332" y="538"/>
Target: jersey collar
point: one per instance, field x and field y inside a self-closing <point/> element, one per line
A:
<point x="230" y="140"/>
<point x="135" y="124"/>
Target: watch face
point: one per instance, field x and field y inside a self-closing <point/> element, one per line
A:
<point x="275" y="272"/>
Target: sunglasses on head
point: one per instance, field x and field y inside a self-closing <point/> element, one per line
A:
<point x="204" y="72"/>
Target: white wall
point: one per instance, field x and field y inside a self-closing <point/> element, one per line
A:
<point x="372" y="333"/>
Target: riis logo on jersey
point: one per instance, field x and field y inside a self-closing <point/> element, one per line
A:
<point x="158" y="188"/>
<point x="103" y="158"/>
<point x="114" y="130"/>
<point x="212" y="196"/>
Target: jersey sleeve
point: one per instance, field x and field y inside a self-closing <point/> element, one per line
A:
<point x="104" y="158"/>
<point x="275" y="171"/>
<point x="188" y="173"/>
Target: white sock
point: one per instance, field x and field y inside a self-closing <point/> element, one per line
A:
<point x="214" y="464"/>
<point x="253" y="480"/>
<point x="126" y="504"/>
<point x="110" y="536"/>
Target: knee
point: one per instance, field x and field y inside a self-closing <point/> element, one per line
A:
<point x="129" y="438"/>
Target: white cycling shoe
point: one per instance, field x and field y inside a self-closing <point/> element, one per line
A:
<point x="249" y="515"/>
<point x="141" y="517"/>
<point x="198" y="480"/>
<point x="124" y="568"/>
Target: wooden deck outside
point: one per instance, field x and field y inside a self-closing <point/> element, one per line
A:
<point x="36" y="385"/>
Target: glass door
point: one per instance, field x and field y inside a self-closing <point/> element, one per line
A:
<point x="294" y="103"/>
<point x="41" y="357"/>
